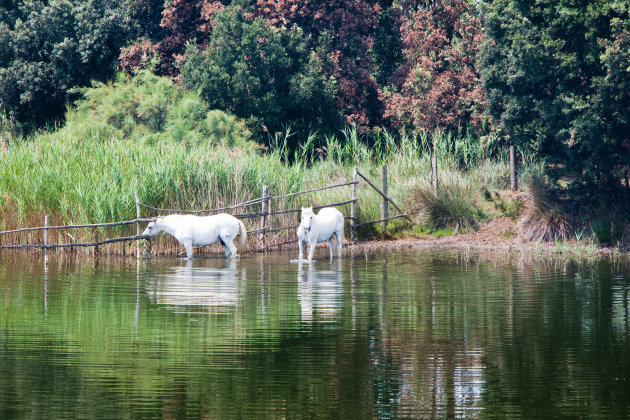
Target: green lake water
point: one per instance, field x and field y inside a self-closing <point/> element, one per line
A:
<point x="383" y="335"/>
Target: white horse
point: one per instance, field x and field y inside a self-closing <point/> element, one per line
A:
<point x="192" y="230"/>
<point x="318" y="228"/>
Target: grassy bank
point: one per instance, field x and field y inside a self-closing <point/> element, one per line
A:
<point x="88" y="180"/>
<point x="146" y="135"/>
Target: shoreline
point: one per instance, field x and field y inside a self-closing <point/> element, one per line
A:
<point x="570" y="250"/>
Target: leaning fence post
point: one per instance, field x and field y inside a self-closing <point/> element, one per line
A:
<point x="434" y="172"/>
<point x="265" y="216"/>
<point x="384" y="210"/>
<point x="353" y="207"/>
<point x="137" y="226"/>
<point x="513" y="172"/>
<point x="46" y="240"/>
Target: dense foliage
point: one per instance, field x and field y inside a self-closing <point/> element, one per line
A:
<point x="551" y="77"/>
<point x="557" y="77"/>
<point x="438" y="85"/>
<point x="49" y="47"/>
<point x="262" y="73"/>
<point x="346" y="31"/>
<point x="151" y="109"/>
<point x="180" y="22"/>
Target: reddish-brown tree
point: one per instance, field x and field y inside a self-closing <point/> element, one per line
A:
<point x="182" y="21"/>
<point x="438" y="85"/>
<point x="345" y="31"/>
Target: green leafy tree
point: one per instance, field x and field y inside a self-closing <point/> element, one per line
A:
<point x="49" y="47"/>
<point x="557" y="76"/>
<point x="263" y="73"/>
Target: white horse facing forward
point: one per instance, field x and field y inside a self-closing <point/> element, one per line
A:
<point x="318" y="228"/>
<point x="192" y="230"/>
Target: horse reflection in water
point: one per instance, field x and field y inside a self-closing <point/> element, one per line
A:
<point x="320" y="292"/>
<point x="216" y="289"/>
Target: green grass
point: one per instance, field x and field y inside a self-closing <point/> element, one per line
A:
<point x="146" y="135"/>
<point x="86" y="180"/>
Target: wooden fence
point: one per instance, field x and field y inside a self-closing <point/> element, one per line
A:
<point x="265" y="215"/>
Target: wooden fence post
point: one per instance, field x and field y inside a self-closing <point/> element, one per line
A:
<point x="353" y="207"/>
<point x="385" y="202"/>
<point x="434" y="172"/>
<point x="46" y="240"/>
<point x="137" y="226"/>
<point x="265" y="217"/>
<point x="513" y="172"/>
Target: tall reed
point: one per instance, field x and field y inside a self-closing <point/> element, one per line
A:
<point x="127" y="136"/>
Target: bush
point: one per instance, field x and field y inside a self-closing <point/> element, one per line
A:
<point x="150" y="107"/>
<point x="261" y="73"/>
<point x="556" y="80"/>
<point x="452" y="207"/>
<point x="544" y="220"/>
<point x="47" y="48"/>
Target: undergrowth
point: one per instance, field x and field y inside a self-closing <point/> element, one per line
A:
<point x="146" y="135"/>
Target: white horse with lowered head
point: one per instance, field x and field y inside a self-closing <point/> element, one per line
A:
<point x="318" y="228"/>
<point x="192" y="230"/>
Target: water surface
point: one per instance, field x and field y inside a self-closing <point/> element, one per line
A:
<point x="386" y="335"/>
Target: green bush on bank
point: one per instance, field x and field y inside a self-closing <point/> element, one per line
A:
<point x="151" y="109"/>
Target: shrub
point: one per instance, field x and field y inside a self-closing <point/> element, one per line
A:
<point x="265" y="74"/>
<point x="52" y="46"/>
<point x="153" y="108"/>
<point x="452" y="207"/>
<point x="543" y="221"/>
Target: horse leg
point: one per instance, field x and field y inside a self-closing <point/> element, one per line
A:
<point x="311" y="250"/>
<point x="301" y="244"/>
<point x="339" y="235"/>
<point x="228" y="241"/>
<point x="189" y="249"/>
<point x="332" y="247"/>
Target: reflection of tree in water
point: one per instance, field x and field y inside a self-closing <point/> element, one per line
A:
<point x="422" y="360"/>
<point x="384" y="337"/>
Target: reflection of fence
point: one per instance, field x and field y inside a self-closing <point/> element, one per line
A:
<point x="265" y="214"/>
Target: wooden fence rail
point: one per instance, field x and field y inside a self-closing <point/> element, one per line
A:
<point x="77" y="244"/>
<point x="383" y="195"/>
<point x="265" y="214"/>
<point x="126" y="222"/>
<point x="316" y="189"/>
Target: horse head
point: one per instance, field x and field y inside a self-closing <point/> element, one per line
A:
<point x="153" y="228"/>
<point x="307" y="218"/>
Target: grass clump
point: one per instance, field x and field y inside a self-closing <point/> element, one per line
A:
<point x="543" y="220"/>
<point x="453" y="206"/>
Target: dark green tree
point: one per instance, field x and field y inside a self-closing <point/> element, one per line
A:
<point x="49" y="47"/>
<point x="265" y="74"/>
<point x="557" y="76"/>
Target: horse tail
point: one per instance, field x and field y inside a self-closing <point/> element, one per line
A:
<point x="242" y="242"/>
